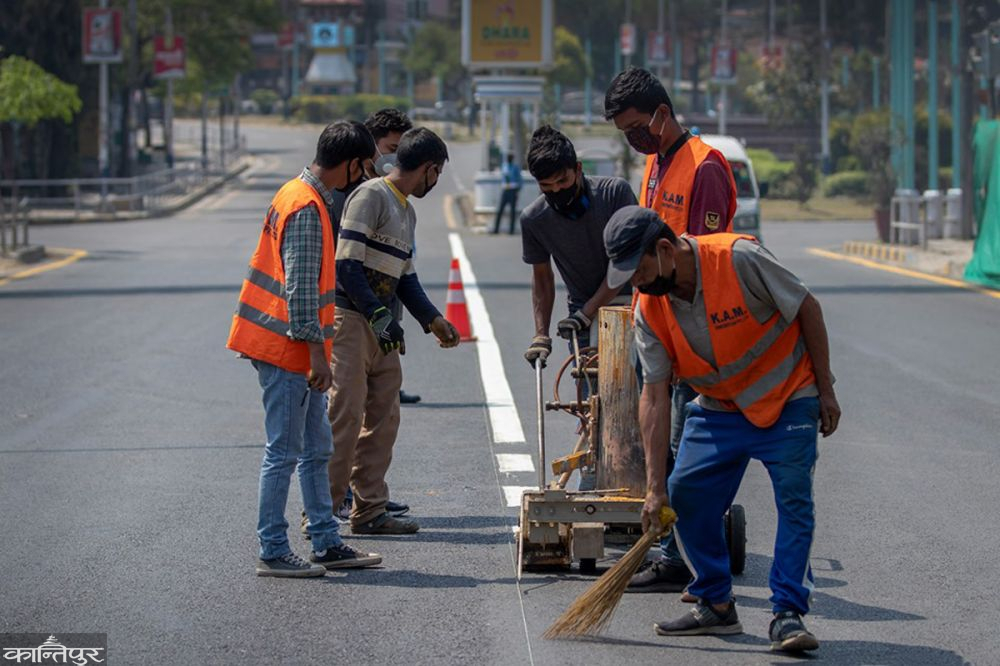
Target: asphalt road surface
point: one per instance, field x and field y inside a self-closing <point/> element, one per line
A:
<point x="130" y="444"/>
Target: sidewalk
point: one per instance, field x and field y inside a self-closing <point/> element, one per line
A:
<point x="944" y="257"/>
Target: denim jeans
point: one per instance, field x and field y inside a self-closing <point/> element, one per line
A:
<point x="710" y="465"/>
<point x="298" y="433"/>
<point x="680" y="395"/>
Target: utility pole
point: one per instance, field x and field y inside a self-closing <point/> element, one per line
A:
<point x="628" y="21"/>
<point x="956" y="98"/>
<point x="824" y="90"/>
<point x="588" y="93"/>
<point x="103" y="163"/>
<point x="723" y="87"/>
<point x="129" y="116"/>
<point x="932" y="95"/>
<point x="168" y="105"/>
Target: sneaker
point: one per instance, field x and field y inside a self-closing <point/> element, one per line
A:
<point x="289" y="566"/>
<point x="660" y="576"/>
<point x="408" y="398"/>
<point x="343" y="511"/>
<point x="396" y="509"/>
<point x="386" y="524"/>
<point x="344" y="557"/>
<point x="703" y="620"/>
<point x="789" y="633"/>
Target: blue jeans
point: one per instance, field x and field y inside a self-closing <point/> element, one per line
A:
<point x="298" y="433"/>
<point x="680" y="396"/>
<point x="712" y="459"/>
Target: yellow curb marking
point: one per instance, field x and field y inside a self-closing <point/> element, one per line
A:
<point x="904" y="271"/>
<point x="74" y="256"/>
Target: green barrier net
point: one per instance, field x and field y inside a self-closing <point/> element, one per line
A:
<point x="985" y="265"/>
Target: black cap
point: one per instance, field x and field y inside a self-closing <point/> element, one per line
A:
<point x="629" y="231"/>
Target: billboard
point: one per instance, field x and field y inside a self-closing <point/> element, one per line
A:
<point x="102" y="35"/>
<point x="657" y="48"/>
<point x="626" y="38"/>
<point x="506" y="33"/>
<point x="332" y="35"/>
<point x="168" y="59"/>
<point x="723" y="63"/>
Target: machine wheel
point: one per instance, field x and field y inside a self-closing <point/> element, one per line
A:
<point x="736" y="538"/>
<point x="588" y="566"/>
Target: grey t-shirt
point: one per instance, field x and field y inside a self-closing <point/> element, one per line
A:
<point x="577" y="246"/>
<point x="767" y="286"/>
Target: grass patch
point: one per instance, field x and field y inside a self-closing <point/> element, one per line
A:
<point x="817" y="208"/>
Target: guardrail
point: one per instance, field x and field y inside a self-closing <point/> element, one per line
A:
<point x="74" y="198"/>
<point x="915" y="217"/>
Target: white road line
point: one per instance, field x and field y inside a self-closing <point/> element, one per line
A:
<point x="515" y="462"/>
<point x="504" y="421"/>
<point x="513" y="494"/>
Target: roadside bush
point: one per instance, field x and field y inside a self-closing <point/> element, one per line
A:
<point x="324" y="109"/>
<point x="803" y="178"/>
<point x="848" y="163"/>
<point x="265" y="99"/>
<point x="769" y="169"/>
<point x="847" y="184"/>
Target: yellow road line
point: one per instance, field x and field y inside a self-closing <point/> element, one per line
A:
<point x="904" y="271"/>
<point x="74" y="256"/>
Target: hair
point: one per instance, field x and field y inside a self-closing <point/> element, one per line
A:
<point x="384" y="122"/>
<point x="549" y="153"/>
<point x="343" y="141"/>
<point x="638" y="89"/>
<point x="420" y="145"/>
<point x="664" y="232"/>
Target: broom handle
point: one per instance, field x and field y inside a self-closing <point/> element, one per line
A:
<point x="541" y="424"/>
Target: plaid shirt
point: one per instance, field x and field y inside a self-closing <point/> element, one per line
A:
<point x="302" y="255"/>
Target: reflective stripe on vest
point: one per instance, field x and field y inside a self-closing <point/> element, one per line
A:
<point x="260" y="327"/>
<point x="672" y="195"/>
<point x="758" y="366"/>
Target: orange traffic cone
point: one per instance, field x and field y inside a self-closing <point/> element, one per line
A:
<point x="456" y="311"/>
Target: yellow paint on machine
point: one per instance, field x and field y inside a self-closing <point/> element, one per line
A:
<point x="937" y="279"/>
<point x="73" y="257"/>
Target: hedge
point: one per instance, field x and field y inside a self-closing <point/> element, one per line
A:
<point x="847" y="184"/>
<point x="328" y="108"/>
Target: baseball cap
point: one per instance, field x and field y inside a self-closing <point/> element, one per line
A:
<point x="629" y="231"/>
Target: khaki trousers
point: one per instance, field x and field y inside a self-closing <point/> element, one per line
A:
<point x="364" y="416"/>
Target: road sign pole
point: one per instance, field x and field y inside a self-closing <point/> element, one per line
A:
<point x="588" y="115"/>
<point x="103" y="164"/>
<point x="956" y="98"/>
<point x="932" y="95"/>
<point x="168" y="107"/>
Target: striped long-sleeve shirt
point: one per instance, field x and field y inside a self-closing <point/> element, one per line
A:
<point x="375" y="254"/>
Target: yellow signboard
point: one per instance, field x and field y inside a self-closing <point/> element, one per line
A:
<point x="507" y="33"/>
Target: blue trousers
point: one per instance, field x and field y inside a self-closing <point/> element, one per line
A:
<point x="713" y="456"/>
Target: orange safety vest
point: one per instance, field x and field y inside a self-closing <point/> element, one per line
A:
<point x="672" y="194"/>
<point x="260" y="324"/>
<point x="757" y="366"/>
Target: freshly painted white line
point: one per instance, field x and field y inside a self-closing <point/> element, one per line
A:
<point x="504" y="421"/>
<point x="515" y="462"/>
<point x="513" y="494"/>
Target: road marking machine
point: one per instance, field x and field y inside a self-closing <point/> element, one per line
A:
<point x="558" y="526"/>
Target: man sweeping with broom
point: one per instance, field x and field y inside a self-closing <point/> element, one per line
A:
<point x="721" y="313"/>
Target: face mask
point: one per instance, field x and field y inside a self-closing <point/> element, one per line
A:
<point x="660" y="286"/>
<point x="352" y="185"/>
<point x="428" y="188"/>
<point x="572" y="201"/>
<point x="643" y="139"/>
<point x="385" y="163"/>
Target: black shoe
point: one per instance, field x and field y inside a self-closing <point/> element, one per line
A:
<point x="344" y="557"/>
<point x="289" y="566"/>
<point x="659" y="576"/>
<point x="789" y="633"/>
<point x="395" y="509"/>
<point x="408" y="398"/>
<point x="703" y="620"/>
<point x="386" y="524"/>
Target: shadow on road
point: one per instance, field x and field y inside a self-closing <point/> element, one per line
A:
<point x="165" y="290"/>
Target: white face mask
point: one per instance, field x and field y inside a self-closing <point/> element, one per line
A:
<point x="385" y="163"/>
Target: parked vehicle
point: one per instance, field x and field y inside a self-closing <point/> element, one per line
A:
<point x="748" y="191"/>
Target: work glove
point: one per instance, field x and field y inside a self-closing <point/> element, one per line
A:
<point x="541" y="347"/>
<point x="577" y="321"/>
<point x="387" y="330"/>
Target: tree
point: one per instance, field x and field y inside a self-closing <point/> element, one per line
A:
<point x="29" y="94"/>
<point x="435" y="51"/>
<point x="569" y="67"/>
<point x="789" y="94"/>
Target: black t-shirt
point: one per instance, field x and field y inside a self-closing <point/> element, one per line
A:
<point x="577" y="246"/>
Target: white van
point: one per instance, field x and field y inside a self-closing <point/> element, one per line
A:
<point x="747" y="219"/>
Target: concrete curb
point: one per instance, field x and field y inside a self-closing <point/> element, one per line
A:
<point x="186" y="201"/>
<point x="932" y="262"/>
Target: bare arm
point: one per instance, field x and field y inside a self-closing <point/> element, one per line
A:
<point x="818" y="345"/>
<point x="543" y="296"/>
<point x="654" y="424"/>
<point x="602" y="297"/>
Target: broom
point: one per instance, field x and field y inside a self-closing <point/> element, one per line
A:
<point x="592" y="610"/>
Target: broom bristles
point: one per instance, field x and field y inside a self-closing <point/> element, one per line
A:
<point x="593" y="610"/>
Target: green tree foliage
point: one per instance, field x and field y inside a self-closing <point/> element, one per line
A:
<point x="789" y="95"/>
<point x="803" y="178"/>
<point x="570" y="61"/>
<point x="29" y="94"/>
<point x="871" y="142"/>
<point x="435" y="51"/>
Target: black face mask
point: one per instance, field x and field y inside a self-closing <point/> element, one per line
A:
<point x="660" y="286"/>
<point x="571" y="201"/>
<point x="428" y="188"/>
<point x="353" y="185"/>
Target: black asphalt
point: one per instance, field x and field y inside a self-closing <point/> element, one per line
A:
<point x="130" y="443"/>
